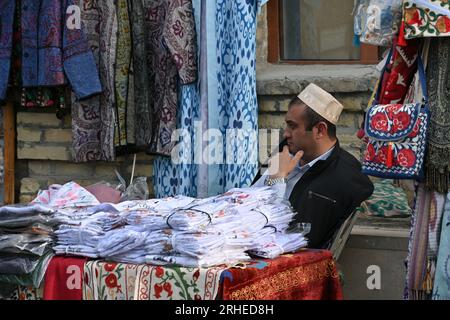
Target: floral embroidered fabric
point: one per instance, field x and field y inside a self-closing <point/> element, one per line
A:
<point x="397" y="140"/>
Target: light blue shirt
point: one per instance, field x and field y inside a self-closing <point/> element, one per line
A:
<point x="285" y="189"/>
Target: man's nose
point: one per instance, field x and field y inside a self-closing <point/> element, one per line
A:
<point x="286" y="134"/>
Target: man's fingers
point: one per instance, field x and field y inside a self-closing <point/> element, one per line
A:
<point x="286" y="149"/>
<point x="298" y="156"/>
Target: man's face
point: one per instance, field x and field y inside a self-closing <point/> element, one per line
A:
<point x="298" y="138"/>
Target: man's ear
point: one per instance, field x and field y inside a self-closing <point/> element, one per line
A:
<point x="322" y="129"/>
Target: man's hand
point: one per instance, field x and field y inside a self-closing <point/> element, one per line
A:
<point x="282" y="164"/>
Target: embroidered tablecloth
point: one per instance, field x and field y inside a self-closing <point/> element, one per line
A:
<point x="307" y="275"/>
<point x="116" y="281"/>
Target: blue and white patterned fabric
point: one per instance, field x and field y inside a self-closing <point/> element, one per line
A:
<point x="222" y="106"/>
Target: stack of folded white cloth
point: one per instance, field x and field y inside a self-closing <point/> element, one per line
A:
<point x="124" y="244"/>
<point x="279" y="244"/>
<point x="80" y="240"/>
<point x="224" y="229"/>
<point x="204" y="248"/>
<point x="83" y="228"/>
<point x="226" y="256"/>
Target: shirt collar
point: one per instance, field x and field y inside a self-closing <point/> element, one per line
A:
<point x="309" y="165"/>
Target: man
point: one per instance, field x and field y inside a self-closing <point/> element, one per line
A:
<point x="323" y="182"/>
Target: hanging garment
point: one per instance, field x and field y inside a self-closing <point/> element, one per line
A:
<point x="418" y="244"/>
<point x="434" y="232"/>
<point x="423" y="244"/>
<point x="122" y="72"/>
<point x="140" y="79"/>
<point x="51" y="51"/>
<point x="225" y="99"/>
<point x="438" y="77"/>
<point x="6" y="41"/>
<point x="93" y="120"/>
<point x="441" y="289"/>
<point x="41" y="97"/>
<point x="399" y="73"/>
<point x="171" y="58"/>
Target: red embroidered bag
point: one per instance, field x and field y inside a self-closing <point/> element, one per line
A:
<point x="397" y="138"/>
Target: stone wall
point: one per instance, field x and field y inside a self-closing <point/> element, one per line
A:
<point x="44" y="155"/>
<point x="44" y="142"/>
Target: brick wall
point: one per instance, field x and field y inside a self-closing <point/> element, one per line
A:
<point x="44" y="155"/>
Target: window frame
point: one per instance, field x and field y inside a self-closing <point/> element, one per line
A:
<point x="369" y="53"/>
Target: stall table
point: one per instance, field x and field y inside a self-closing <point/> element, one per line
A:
<point x="306" y="275"/>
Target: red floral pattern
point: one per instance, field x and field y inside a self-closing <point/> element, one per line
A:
<point x="158" y="290"/>
<point x="400" y="121"/>
<point x="159" y="272"/>
<point x="391" y="121"/>
<point x="380" y="122"/>
<point x="393" y="109"/>
<point x="110" y="267"/>
<point x="406" y="158"/>
<point x="370" y="152"/>
<point x="111" y="281"/>
<point x="168" y="288"/>
<point x="382" y="155"/>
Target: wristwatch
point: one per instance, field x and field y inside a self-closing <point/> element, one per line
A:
<point x="273" y="181"/>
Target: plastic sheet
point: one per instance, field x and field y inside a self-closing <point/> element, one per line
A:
<point x="23" y="243"/>
<point x="33" y="279"/>
<point x="17" y="264"/>
<point x="137" y="190"/>
<point x="36" y="229"/>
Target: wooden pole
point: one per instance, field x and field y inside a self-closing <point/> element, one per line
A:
<point x="9" y="152"/>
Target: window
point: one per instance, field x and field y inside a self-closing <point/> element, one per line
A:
<point x="314" y="31"/>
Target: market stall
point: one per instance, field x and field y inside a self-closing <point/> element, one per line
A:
<point x="66" y="244"/>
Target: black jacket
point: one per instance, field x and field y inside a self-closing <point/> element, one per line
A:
<point x="328" y="193"/>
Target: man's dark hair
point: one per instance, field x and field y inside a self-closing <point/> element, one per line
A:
<point x="312" y="118"/>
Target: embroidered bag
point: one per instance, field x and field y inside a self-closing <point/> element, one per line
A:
<point x="381" y="22"/>
<point x="397" y="137"/>
<point x="360" y="16"/>
<point x="426" y="18"/>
